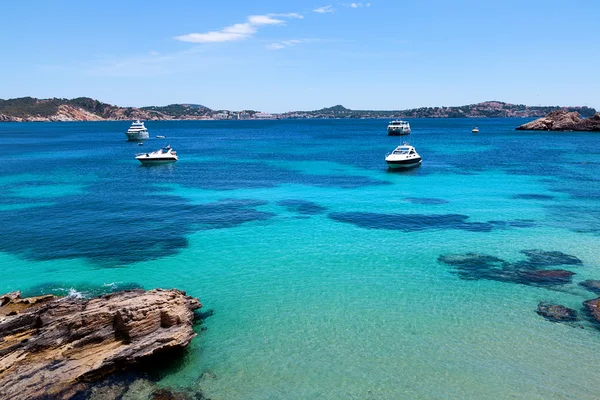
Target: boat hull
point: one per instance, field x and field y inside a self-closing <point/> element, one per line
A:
<point x="403" y="164"/>
<point x="133" y="136"/>
<point x="156" y="162"/>
<point x="397" y="133"/>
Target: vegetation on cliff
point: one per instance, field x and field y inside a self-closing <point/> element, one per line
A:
<point x="488" y="109"/>
<point x="87" y="109"/>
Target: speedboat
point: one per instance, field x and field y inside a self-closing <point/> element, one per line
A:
<point x="475" y="130"/>
<point x="161" y="156"/>
<point x="161" y="137"/>
<point x="137" y="131"/>
<point x="398" y="128"/>
<point x="403" y="157"/>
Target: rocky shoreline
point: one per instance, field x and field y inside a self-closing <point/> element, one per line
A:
<point x="54" y="347"/>
<point x="563" y="121"/>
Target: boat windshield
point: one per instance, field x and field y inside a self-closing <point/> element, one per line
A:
<point x="401" y="150"/>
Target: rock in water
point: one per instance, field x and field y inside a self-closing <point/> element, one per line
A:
<point x="563" y="121"/>
<point x="593" y="309"/>
<point x="591" y="285"/>
<point x="556" y="313"/>
<point x="50" y="349"/>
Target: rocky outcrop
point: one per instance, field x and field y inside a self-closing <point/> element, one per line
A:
<point x="556" y="312"/>
<point x="593" y="309"/>
<point x="50" y="347"/>
<point x="6" y="118"/>
<point x="563" y="121"/>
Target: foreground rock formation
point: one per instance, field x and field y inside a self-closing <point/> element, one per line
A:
<point x="50" y="347"/>
<point x="563" y="121"/>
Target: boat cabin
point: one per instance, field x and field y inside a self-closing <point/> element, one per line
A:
<point x="404" y="150"/>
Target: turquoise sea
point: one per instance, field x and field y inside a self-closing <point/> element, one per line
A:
<point x="329" y="277"/>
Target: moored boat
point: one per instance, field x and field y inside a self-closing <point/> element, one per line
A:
<point x="137" y="131"/>
<point x="475" y="130"/>
<point x="398" y="128"/>
<point x="161" y="156"/>
<point x="403" y="157"/>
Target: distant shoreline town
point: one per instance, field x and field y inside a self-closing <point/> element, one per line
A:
<point x="30" y="109"/>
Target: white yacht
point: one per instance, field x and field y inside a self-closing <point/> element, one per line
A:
<point x="403" y="157"/>
<point x="475" y="130"/>
<point x="137" y="131"/>
<point x="398" y="128"/>
<point x="161" y="156"/>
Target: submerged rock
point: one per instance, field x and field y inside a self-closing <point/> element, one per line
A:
<point x="556" y="312"/>
<point x="474" y="266"/>
<point x="593" y="309"/>
<point x="541" y="258"/>
<point x="561" y="120"/>
<point x="51" y="348"/>
<point x="591" y="285"/>
<point x="549" y="277"/>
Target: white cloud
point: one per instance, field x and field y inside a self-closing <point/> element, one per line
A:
<point x="288" y="43"/>
<point x="288" y="15"/>
<point x="324" y="10"/>
<point x="263" y="20"/>
<point x="358" y="5"/>
<point x="239" y="31"/>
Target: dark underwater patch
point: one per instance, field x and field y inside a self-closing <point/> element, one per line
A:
<point x="419" y="222"/>
<point x="591" y="285"/>
<point x="541" y="258"/>
<point x="533" y="196"/>
<point x="474" y="266"/>
<point x="303" y="207"/>
<point x="556" y="312"/>
<point x="109" y="228"/>
<point x="426" y="200"/>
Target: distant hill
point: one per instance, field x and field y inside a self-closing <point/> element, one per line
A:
<point x="179" y="110"/>
<point x="87" y="109"/>
<point x="487" y="109"/>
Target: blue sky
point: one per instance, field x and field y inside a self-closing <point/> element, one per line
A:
<point x="301" y="55"/>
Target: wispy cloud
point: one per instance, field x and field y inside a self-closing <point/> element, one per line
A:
<point x="358" y="5"/>
<point x="324" y="10"/>
<point x="282" y="44"/>
<point x="287" y="15"/>
<point x="151" y="64"/>
<point x="239" y="31"/>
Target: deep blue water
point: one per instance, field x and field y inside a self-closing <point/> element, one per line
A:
<point x="306" y="247"/>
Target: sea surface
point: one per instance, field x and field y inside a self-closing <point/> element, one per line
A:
<point x="329" y="276"/>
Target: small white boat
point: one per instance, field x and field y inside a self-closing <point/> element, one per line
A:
<point x="403" y="157"/>
<point x="140" y="144"/>
<point x="398" y="128"/>
<point x="161" y="156"/>
<point x="137" y="131"/>
<point x="160" y="137"/>
<point x="475" y="130"/>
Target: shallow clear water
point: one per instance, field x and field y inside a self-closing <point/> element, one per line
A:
<point x="322" y="267"/>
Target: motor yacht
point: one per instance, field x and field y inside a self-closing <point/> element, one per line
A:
<point x="137" y="131"/>
<point x="398" y="128"/>
<point x="403" y="157"/>
<point x="161" y="156"/>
